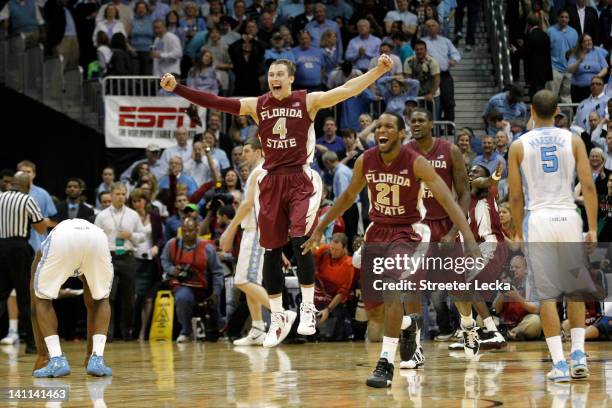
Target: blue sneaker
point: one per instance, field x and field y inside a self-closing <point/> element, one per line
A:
<point x="559" y="372"/>
<point x="578" y="364"/>
<point x="97" y="367"/>
<point x="56" y="367"/>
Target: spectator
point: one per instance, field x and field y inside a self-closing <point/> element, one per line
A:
<point x="333" y="281"/>
<point x="489" y="157"/>
<point x="231" y="26"/>
<point x="6" y="178"/>
<point x="605" y="22"/>
<point x="191" y="23"/>
<point x="424" y="68"/>
<point x="472" y="17"/>
<point x="121" y="60"/>
<point x="146" y="253"/>
<point x="247" y="58"/>
<point x="25" y="18"/>
<point x="338" y="8"/>
<point x="597" y="160"/>
<point x="142" y="36"/>
<point x="537" y="56"/>
<point x="396" y="91"/>
<point x="352" y="108"/>
<point x="215" y="13"/>
<point x="110" y="24"/>
<point x="203" y="75"/>
<point x="195" y="275"/>
<point x="103" y="52"/>
<point x="408" y="19"/>
<point x="584" y="20"/>
<point x="202" y="171"/>
<point x="446" y="13"/>
<point x="464" y="144"/>
<point x="156" y="165"/>
<point x="520" y="316"/>
<point x="167" y="51"/>
<point x="236" y="158"/>
<point x="505" y="219"/>
<point x="300" y="21"/>
<point x="604" y="216"/>
<point x="278" y="51"/>
<point x="61" y="36"/>
<point x="72" y="206"/>
<point x="430" y="13"/>
<point x="309" y="62"/>
<point x="172" y="25"/>
<point x="159" y="9"/>
<point x="173" y="223"/>
<point x="386" y="48"/>
<point x="596" y="131"/>
<point x="140" y="170"/>
<point x="266" y="29"/>
<point x="210" y="139"/>
<point x="289" y="10"/>
<point x="401" y="47"/>
<point x="342" y="74"/>
<point x="148" y="184"/>
<point x="175" y="172"/>
<point x="319" y="24"/>
<point x="105" y="200"/>
<point x="364" y="47"/>
<point x="508" y="103"/>
<point x="372" y="11"/>
<point x="108" y="178"/>
<point x="502" y="144"/>
<point x="563" y="39"/>
<point x="354" y="149"/>
<point x="272" y="9"/>
<point x="181" y="149"/>
<point x="222" y="61"/>
<point x="287" y="36"/>
<point x="242" y="129"/>
<point x="447" y="56"/>
<point x="331" y="53"/>
<point x="124" y="15"/>
<point x="125" y="231"/>
<point x="597" y="101"/>
<point x="330" y="139"/>
<point x="605" y="144"/>
<point x="586" y="63"/>
<point x="255" y="9"/>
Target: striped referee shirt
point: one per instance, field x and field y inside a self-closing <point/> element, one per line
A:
<point x="18" y="212"/>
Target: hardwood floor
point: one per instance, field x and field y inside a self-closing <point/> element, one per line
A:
<point x="318" y="375"/>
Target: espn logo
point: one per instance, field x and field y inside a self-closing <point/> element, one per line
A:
<point x="152" y="116"/>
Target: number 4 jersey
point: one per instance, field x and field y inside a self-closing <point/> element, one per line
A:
<point x="286" y="130"/>
<point x="548" y="169"/>
<point x="394" y="191"/>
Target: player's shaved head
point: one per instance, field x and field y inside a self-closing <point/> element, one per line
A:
<point x="21" y="181"/>
<point x="544" y="104"/>
<point x="399" y="121"/>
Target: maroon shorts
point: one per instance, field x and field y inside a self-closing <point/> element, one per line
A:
<point x="438" y="228"/>
<point x="287" y="204"/>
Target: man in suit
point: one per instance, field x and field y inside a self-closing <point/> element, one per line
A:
<point x="72" y="206"/>
<point x="537" y="56"/>
<point x="605" y="23"/>
<point x="584" y="20"/>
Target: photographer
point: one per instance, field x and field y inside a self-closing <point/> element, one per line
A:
<point x="195" y="275"/>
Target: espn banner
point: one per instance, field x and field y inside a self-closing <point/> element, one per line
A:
<point x="134" y="121"/>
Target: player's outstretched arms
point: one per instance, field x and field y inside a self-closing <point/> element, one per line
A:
<point x="492" y="180"/>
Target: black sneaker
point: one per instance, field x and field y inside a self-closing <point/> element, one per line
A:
<point x="408" y="343"/>
<point x="382" y="375"/>
<point x="471" y="344"/>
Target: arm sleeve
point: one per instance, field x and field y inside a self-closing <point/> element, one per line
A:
<point x="166" y="262"/>
<point x="216" y="269"/>
<point x="34" y="211"/>
<point x="209" y="100"/>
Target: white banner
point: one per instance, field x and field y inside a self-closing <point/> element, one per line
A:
<point x="135" y="121"/>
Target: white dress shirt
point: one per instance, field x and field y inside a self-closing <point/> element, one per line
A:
<point x="113" y="220"/>
<point x="171" y="52"/>
<point x="184" y="152"/>
<point x="581" y="13"/>
<point x="200" y="171"/>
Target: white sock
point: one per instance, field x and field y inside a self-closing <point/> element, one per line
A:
<point x="389" y="348"/>
<point x="53" y="345"/>
<point x="490" y="324"/>
<point x="308" y="294"/>
<point x="99" y="341"/>
<point x="418" y="337"/>
<point x="258" y="324"/>
<point x="577" y="335"/>
<point x="556" y="348"/>
<point x="467" y="322"/>
<point x="406" y="322"/>
<point x="276" y="304"/>
<point x="13" y="324"/>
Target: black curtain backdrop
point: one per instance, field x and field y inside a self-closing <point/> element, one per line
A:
<point x="59" y="146"/>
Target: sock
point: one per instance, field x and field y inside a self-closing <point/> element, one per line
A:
<point x="406" y="322"/>
<point x="490" y="324"/>
<point x="13" y="324"/>
<point x="389" y="347"/>
<point x="258" y="324"/>
<point x="467" y="322"/>
<point x="99" y="340"/>
<point x="556" y="348"/>
<point x="307" y="294"/>
<point x="276" y="304"/>
<point x="53" y="345"/>
<point x="418" y="337"/>
<point x="577" y="335"/>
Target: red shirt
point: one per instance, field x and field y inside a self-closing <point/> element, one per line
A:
<point x="335" y="274"/>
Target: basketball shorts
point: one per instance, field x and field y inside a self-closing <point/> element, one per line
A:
<point x="71" y="253"/>
<point x="438" y="228"/>
<point x="250" y="258"/>
<point x="286" y="202"/>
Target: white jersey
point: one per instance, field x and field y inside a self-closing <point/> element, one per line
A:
<point x="548" y="169"/>
<point x="250" y="221"/>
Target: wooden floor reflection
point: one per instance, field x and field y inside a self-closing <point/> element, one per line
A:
<point x="319" y="375"/>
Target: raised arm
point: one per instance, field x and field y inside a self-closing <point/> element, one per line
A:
<point x="515" y="185"/>
<point x="486" y="182"/>
<point x="321" y="100"/>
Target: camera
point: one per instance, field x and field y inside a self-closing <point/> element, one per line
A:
<point x="218" y="199"/>
<point x="183" y="272"/>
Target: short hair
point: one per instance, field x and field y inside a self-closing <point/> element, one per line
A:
<point x="101" y="193"/>
<point x="6" y="173"/>
<point x="254" y="142"/>
<point x="420" y="42"/>
<point x="227" y="210"/>
<point x="544" y="103"/>
<point x="495" y="116"/>
<point x="348" y="133"/>
<point x="108" y="167"/>
<point x="137" y="194"/>
<point x="599" y="151"/>
<point x="76" y="180"/>
<point x="328" y="118"/>
<point x="26" y="163"/>
<point x="329" y="156"/>
<point x="340" y="238"/>
<point x="399" y="121"/>
<point x="423" y="110"/>
<point x="289" y="64"/>
<point x="118" y="185"/>
<point x="487" y="172"/>
<point x="532" y="20"/>
<point x="561" y="11"/>
<point x="515" y="91"/>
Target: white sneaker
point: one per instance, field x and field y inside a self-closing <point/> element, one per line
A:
<point x="254" y="338"/>
<point x="308" y="319"/>
<point x="280" y="327"/>
<point x="183" y="339"/>
<point x="471" y="342"/>
<point x="11" y="338"/>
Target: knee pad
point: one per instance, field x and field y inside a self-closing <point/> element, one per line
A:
<point x="305" y="263"/>
<point x="273" y="279"/>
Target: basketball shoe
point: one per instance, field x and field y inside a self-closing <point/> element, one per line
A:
<point x="471" y="343"/>
<point x="578" y="365"/>
<point x="491" y="340"/>
<point x="308" y="319"/>
<point x="11" y="338"/>
<point x="382" y="375"/>
<point x="56" y="367"/>
<point x="255" y="337"/>
<point x="280" y="326"/>
<point x="559" y="372"/>
<point x="97" y="367"/>
<point x="411" y="354"/>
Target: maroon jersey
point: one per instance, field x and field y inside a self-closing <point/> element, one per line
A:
<point x="440" y="159"/>
<point x="484" y="219"/>
<point x="286" y="130"/>
<point x="394" y="191"/>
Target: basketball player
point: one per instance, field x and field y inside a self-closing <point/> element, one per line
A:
<point x="73" y="247"/>
<point x="542" y="167"/>
<point x="389" y="160"/>
<point x="250" y="258"/>
<point x="289" y="190"/>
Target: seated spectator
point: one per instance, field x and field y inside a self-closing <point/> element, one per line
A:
<point x="175" y="172"/>
<point x="520" y="316"/>
<point x="517" y="127"/>
<point x="508" y="103"/>
<point x="108" y="178"/>
<point x="489" y="157"/>
<point x="72" y="207"/>
<point x="586" y="62"/>
<point x="120" y="63"/>
<point x="141" y="37"/>
<point x="353" y="106"/>
<point x="330" y="139"/>
<point x="324" y="206"/>
<point x="498" y="124"/>
<point x="25" y="18"/>
<point x="505" y="218"/>
<point x="396" y="90"/>
<point x="203" y="75"/>
<point x="228" y="35"/>
<point x="464" y="144"/>
<point x="110" y="24"/>
<point x="287" y="36"/>
<point x="167" y="50"/>
<point x="333" y="281"/>
<point x="156" y="166"/>
<point x="596" y="131"/>
<point x="124" y="14"/>
<point x="277" y="51"/>
<point x="195" y="275"/>
<point x="408" y="19"/>
<point x="597" y="101"/>
<point x="202" y="167"/>
<point x="364" y="47"/>
<point x="105" y="200"/>
<point x="603" y="143"/>
<point x="309" y="63"/>
<point x="430" y="13"/>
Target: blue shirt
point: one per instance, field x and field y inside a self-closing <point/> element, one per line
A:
<point x="491" y="164"/>
<point x="48" y="210"/>
<point x="183" y="178"/>
<point x="221" y="157"/>
<point x="337" y="145"/>
<point x="142" y="33"/>
<point x="173" y="223"/>
<point x="371" y="44"/>
<point x="341" y="10"/>
<point x="70" y="29"/>
<point x="443" y="50"/>
<point x="397" y="103"/>
<point x="308" y="66"/>
<point x="273" y="54"/>
<point x="204" y="81"/>
<point x="195" y="45"/>
<point x="353" y="107"/>
<point x="593" y="63"/>
<point x="160" y="11"/>
<point x="500" y="103"/>
<point x="560" y="43"/>
<point x="291" y="9"/>
<point x="316" y="30"/>
<point x="587" y="106"/>
<point x="445" y="7"/>
<point x="342" y="179"/>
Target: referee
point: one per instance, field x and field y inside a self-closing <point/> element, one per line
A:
<point x="18" y="212"/>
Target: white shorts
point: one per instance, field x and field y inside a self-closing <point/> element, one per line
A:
<point x="73" y="250"/>
<point x="555" y="255"/>
<point x="250" y="258"/>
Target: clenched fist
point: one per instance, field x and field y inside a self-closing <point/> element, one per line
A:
<point x="385" y="62"/>
<point x="168" y="82"/>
